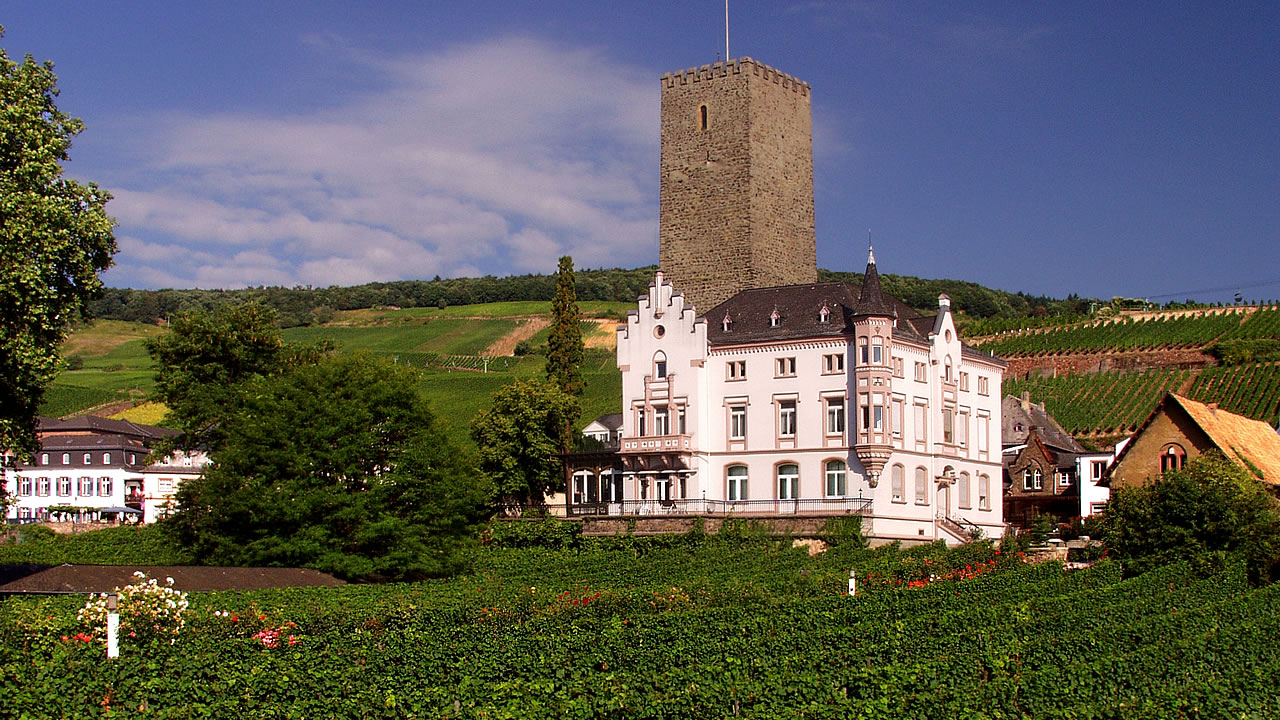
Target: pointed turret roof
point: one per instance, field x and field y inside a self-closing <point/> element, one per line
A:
<point x="872" y="301"/>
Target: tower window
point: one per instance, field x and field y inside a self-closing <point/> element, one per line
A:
<point x="702" y="116"/>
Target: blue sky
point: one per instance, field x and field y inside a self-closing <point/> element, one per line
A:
<point x="1100" y="148"/>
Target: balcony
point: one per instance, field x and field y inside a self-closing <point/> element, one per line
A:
<point x="727" y="508"/>
<point x="656" y="444"/>
<point x="656" y="453"/>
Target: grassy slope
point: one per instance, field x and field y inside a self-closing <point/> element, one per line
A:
<point x="116" y="364"/>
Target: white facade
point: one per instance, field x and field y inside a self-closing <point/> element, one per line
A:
<point x="89" y="465"/>
<point x="790" y="415"/>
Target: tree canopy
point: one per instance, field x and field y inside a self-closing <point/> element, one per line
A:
<point x="564" y="342"/>
<point x="1212" y="506"/>
<point x="55" y="237"/>
<point x="206" y="358"/>
<point x="338" y="466"/>
<point x="519" y="438"/>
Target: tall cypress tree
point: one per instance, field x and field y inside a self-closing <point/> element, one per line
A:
<point x="564" y="346"/>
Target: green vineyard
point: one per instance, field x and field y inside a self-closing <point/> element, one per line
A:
<point x="693" y="629"/>
<point x="1116" y="402"/>
<point x="1187" y="331"/>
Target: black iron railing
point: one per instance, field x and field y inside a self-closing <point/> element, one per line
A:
<point x="801" y="506"/>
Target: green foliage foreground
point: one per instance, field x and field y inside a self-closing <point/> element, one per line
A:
<point x="684" y="628"/>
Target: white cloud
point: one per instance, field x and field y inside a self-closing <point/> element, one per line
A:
<point x="491" y="157"/>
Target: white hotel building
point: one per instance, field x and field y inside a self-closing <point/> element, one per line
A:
<point x="808" y="400"/>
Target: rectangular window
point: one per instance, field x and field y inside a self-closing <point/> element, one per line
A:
<point x="1063" y="477"/>
<point x="681" y="427"/>
<point x="661" y="421"/>
<point x="863" y="357"/>
<point x="835" y="416"/>
<point x="735" y="370"/>
<point x="984" y="492"/>
<point x="832" y="364"/>
<point x="948" y="426"/>
<point x="835" y="480"/>
<point x="1098" y="469"/>
<point x="42" y="487"/>
<point x="24" y="486"/>
<point x="787" y="418"/>
<point x="897" y="420"/>
<point x="104" y="487"/>
<point x="982" y="386"/>
<point x="737" y="422"/>
<point x="962" y="429"/>
<point x="922" y="372"/>
<point x="984" y="432"/>
<point x="964" y="381"/>
<point x="86" y="487"/>
<point x="922" y="428"/>
<point x="898" y="370"/>
<point x="641" y="417"/>
<point x="788" y="482"/>
<point x="899" y="493"/>
<point x="962" y="488"/>
<point x="106" y="458"/>
<point x="786" y="367"/>
<point x="88" y="458"/>
<point x="877" y="353"/>
<point x="877" y="418"/>
<point x="737" y="483"/>
<point x="64" y="487"/>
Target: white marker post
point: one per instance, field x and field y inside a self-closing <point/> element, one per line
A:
<point x="853" y="583"/>
<point x="113" y="627"/>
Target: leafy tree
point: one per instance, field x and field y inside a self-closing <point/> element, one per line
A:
<point x="564" y="343"/>
<point x="206" y="358"/>
<point x="1212" y="506"/>
<point x="55" y="237"/>
<point x="519" y="438"/>
<point x="339" y="466"/>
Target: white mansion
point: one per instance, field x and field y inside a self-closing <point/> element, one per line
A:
<point x="815" y="399"/>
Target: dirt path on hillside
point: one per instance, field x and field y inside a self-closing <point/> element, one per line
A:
<point x="605" y="336"/>
<point x="525" y="329"/>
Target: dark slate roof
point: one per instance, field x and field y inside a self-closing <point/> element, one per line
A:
<point x="611" y="422"/>
<point x="871" y="299"/>
<point x="1033" y="415"/>
<point x="91" y="424"/>
<point x="799" y="310"/>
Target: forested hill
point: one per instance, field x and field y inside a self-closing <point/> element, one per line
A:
<point x="305" y="305"/>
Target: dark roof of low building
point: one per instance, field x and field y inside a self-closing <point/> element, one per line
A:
<point x="611" y="421"/>
<point x="1015" y="412"/>
<point x="34" y="579"/>
<point x="94" y="425"/>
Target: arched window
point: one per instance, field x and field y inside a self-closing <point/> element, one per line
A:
<point x="703" y="117"/>
<point x="106" y="458"/>
<point x="737" y="489"/>
<point x="660" y="365"/>
<point x="1032" y="479"/>
<point x="66" y="458"/>
<point x="962" y="489"/>
<point x="1172" y="457"/>
<point x="877" y="351"/>
<point x="899" y="493"/>
<point x="726" y="323"/>
<point x="984" y="492"/>
<point x="946" y="369"/>
<point x="922" y="486"/>
<point x="863" y="356"/>
<point x="775" y="319"/>
<point x="788" y="481"/>
<point x="824" y="315"/>
<point x="835" y="476"/>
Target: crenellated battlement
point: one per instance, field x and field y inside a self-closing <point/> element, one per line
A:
<point x="734" y="67"/>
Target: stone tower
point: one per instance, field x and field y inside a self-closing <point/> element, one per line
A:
<point x="736" y="187"/>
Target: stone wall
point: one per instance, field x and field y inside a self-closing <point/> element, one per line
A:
<point x="735" y="197"/>
<point x="1083" y="363"/>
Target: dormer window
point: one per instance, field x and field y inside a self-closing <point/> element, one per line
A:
<point x="774" y="318"/>
<point x="726" y="323"/>
<point x="824" y="315"/>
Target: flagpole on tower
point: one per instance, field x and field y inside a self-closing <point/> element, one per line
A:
<point x="726" y="31"/>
